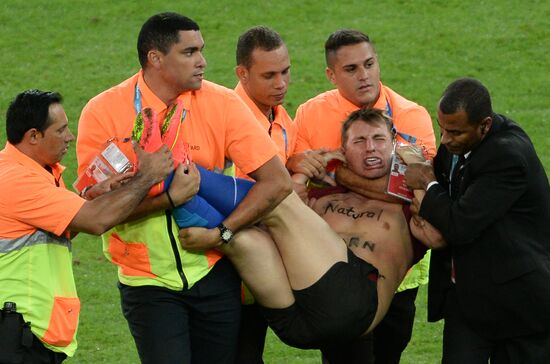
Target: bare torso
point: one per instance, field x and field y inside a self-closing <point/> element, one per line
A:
<point x="374" y="231"/>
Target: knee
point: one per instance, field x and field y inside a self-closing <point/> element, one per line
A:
<point x="245" y="242"/>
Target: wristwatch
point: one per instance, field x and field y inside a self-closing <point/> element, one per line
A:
<point x="225" y="233"/>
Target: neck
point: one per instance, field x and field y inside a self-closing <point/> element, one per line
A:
<point x="371" y="104"/>
<point x="165" y="92"/>
<point x="269" y="113"/>
<point x="265" y="109"/>
<point x="29" y="151"/>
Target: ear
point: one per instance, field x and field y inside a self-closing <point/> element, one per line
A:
<point x="32" y="136"/>
<point x="486" y="125"/>
<point x="242" y="73"/>
<point x="154" y="57"/>
<point x="330" y="75"/>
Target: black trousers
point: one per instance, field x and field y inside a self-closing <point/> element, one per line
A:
<point x="251" y="336"/>
<point x="461" y="344"/>
<point x="394" y="332"/>
<point x="18" y="345"/>
<point x="199" y="325"/>
<point x="39" y="354"/>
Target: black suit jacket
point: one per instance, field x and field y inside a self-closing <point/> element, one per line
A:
<point x="498" y="232"/>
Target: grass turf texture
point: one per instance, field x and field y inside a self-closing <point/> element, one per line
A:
<point x="80" y="48"/>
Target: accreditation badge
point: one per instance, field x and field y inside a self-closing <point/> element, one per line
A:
<point x="109" y="162"/>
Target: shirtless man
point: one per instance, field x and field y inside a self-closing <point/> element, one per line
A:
<point x="320" y="288"/>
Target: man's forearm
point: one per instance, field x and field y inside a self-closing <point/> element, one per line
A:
<point x="149" y="205"/>
<point x="102" y="213"/>
<point x="373" y="189"/>
<point x="263" y="197"/>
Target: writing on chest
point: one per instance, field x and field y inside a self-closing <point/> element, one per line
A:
<point x="334" y="207"/>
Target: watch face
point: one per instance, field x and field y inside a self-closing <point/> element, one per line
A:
<point x="226" y="235"/>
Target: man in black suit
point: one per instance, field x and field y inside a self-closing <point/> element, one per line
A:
<point x="488" y="195"/>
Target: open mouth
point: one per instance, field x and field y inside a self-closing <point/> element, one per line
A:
<point x="372" y="162"/>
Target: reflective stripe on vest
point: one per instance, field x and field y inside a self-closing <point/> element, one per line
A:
<point x="36" y="273"/>
<point x="38" y="237"/>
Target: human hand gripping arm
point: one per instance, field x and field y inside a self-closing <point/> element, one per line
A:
<point x="111" y="183"/>
<point x="311" y="163"/>
<point x="421" y="229"/>
<point x="419" y="172"/>
<point x="183" y="187"/>
<point x="300" y="180"/>
<point x="113" y="207"/>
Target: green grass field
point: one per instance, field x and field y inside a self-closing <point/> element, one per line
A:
<point x="80" y="48"/>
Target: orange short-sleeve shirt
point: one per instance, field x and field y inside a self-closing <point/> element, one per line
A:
<point x="282" y="130"/>
<point x="218" y="126"/>
<point x="319" y="120"/>
<point x="32" y="198"/>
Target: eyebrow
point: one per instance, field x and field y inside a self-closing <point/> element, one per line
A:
<point x="274" y="72"/>
<point x="448" y="130"/>
<point x="193" y="49"/>
<point x="360" y="62"/>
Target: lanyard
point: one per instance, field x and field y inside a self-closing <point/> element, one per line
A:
<point x="285" y="136"/>
<point x="454" y="162"/>
<point x="408" y="138"/>
<point x="137" y="107"/>
<point x="137" y="99"/>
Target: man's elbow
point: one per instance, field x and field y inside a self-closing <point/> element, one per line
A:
<point x="96" y="228"/>
<point x="284" y="187"/>
<point x="93" y="226"/>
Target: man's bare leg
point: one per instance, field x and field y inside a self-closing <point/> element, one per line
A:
<point x="307" y="244"/>
<point x="256" y="258"/>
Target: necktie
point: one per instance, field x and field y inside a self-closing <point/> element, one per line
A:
<point x="457" y="166"/>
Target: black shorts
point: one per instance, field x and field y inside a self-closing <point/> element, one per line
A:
<point x="340" y="306"/>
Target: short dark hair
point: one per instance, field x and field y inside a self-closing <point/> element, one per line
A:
<point x="341" y="38"/>
<point x="256" y="37"/>
<point x="161" y="31"/>
<point x="29" y="109"/>
<point x="469" y="95"/>
<point x="369" y="116"/>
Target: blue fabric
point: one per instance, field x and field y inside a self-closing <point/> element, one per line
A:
<point x="217" y="197"/>
<point x="223" y="192"/>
